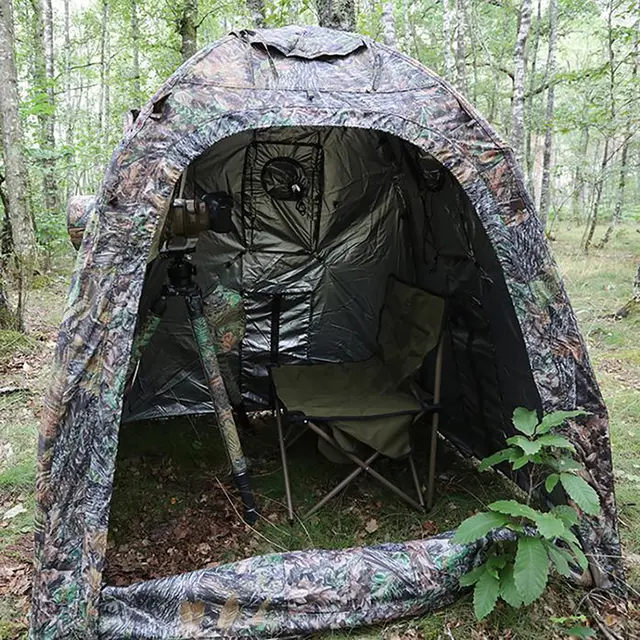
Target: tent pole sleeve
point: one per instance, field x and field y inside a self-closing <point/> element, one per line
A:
<point x="224" y="414"/>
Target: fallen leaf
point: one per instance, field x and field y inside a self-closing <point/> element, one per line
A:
<point x="371" y="526"/>
<point x="14" y="511"/>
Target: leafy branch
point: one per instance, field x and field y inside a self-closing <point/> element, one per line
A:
<point x="517" y="571"/>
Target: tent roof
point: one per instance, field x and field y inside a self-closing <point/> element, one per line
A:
<point x="250" y="80"/>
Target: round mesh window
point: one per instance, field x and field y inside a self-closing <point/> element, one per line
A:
<point x="284" y="179"/>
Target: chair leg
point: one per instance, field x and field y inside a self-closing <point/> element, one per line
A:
<point x="416" y="480"/>
<point x="283" y="455"/>
<point x="434" y="428"/>
<point x="338" y="488"/>
<point x="372" y="472"/>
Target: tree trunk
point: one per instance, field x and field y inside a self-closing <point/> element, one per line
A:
<point x="67" y="99"/>
<point x="529" y="151"/>
<point x="188" y="29"/>
<point x="135" y="54"/>
<point x="337" y="14"/>
<point x="519" y="71"/>
<point x="461" y="47"/>
<point x="447" y="32"/>
<point x="104" y="76"/>
<point x="597" y="197"/>
<point x="22" y="232"/>
<point x="545" y="190"/>
<point x="578" y="200"/>
<point x="256" y="11"/>
<point x="42" y="34"/>
<point x="389" y="24"/>
<point x="617" y="211"/>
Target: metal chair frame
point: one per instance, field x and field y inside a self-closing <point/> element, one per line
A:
<point x="364" y="466"/>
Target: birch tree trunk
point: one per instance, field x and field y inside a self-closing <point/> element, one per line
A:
<point x="135" y="54"/>
<point x="67" y="99"/>
<point x="461" y="47"/>
<point x="617" y="211"/>
<point x="578" y="201"/>
<point x="188" y="29"/>
<point x="529" y="151"/>
<point x="545" y="189"/>
<point x="17" y="191"/>
<point x="256" y="11"/>
<point x="447" y="32"/>
<point x="597" y="197"/>
<point x="337" y="14"/>
<point x="389" y="24"/>
<point x="42" y="34"/>
<point x="104" y="75"/>
<point x="519" y="71"/>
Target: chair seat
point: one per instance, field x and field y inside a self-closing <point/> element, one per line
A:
<point x="356" y="398"/>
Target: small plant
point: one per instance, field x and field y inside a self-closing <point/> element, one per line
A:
<point x="518" y="570"/>
<point x="574" y="626"/>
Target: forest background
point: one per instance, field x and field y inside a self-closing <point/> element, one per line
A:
<point x="558" y="79"/>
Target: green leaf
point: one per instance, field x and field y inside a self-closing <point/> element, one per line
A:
<point x="566" y="464"/>
<point x="485" y="595"/>
<point x="528" y="446"/>
<point x="525" y="421"/>
<point x="551" y="482"/>
<point x="581" y="632"/>
<point x="494" y="563"/>
<point x="559" y="560"/>
<point x="508" y="591"/>
<point x="549" y="526"/>
<point x="579" y="554"/>
<point x="557" y="418"/>
<point x="554" y="440"/>
<point x="531" y="569"/>
<point x="521" y="462"/>
<point x="478" y="526"/>
<point x="473" y="576"/>
<point x="581" y="493"/>
<point x="513" y="508"/>
<point x="567" y="514"/>
<point x="497" y="458"/>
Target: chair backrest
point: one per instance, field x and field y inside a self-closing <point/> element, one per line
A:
<point x="410" y="327"/>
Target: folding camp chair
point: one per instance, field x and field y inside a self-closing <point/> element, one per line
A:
<point x="373" y="402"/>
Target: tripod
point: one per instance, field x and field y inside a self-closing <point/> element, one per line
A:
<point x="222" y="388"/>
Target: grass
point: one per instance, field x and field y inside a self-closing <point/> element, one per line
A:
<point x="172" y="473"/>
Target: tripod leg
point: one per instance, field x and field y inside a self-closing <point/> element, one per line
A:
<point x="220" y="398"/>
<point x="233" y="390"/>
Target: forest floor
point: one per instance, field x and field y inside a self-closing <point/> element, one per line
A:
<point x="172" y="510"/>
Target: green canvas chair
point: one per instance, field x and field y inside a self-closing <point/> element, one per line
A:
<point x="374" y="402"/>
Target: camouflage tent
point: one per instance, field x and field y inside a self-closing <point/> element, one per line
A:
<point x="400" y="175"/>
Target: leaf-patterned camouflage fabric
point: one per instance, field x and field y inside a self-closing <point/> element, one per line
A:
<point x="248" y="81"/>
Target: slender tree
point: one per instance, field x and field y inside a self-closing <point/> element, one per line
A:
<point x="624" y="156"/>
<point x="337" y="14"/>
<point x="461" y="46"/>
<point x="17" y="192"/>
<point x="257" y="13"/>
<point x="519" y="70"/>
<point x="530" y="98"/>
<point x="447" y="32"/>
<point x="135" y="53"/>
<point x="188" y="29"/>
<point x="545" y="189"/>
<point x="389" y="24"/>
<point x="42" y="34"/>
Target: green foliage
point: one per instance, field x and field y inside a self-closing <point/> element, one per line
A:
<point x="517" y="570"/>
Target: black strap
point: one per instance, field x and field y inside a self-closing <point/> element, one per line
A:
<point x="276" y="304"/>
